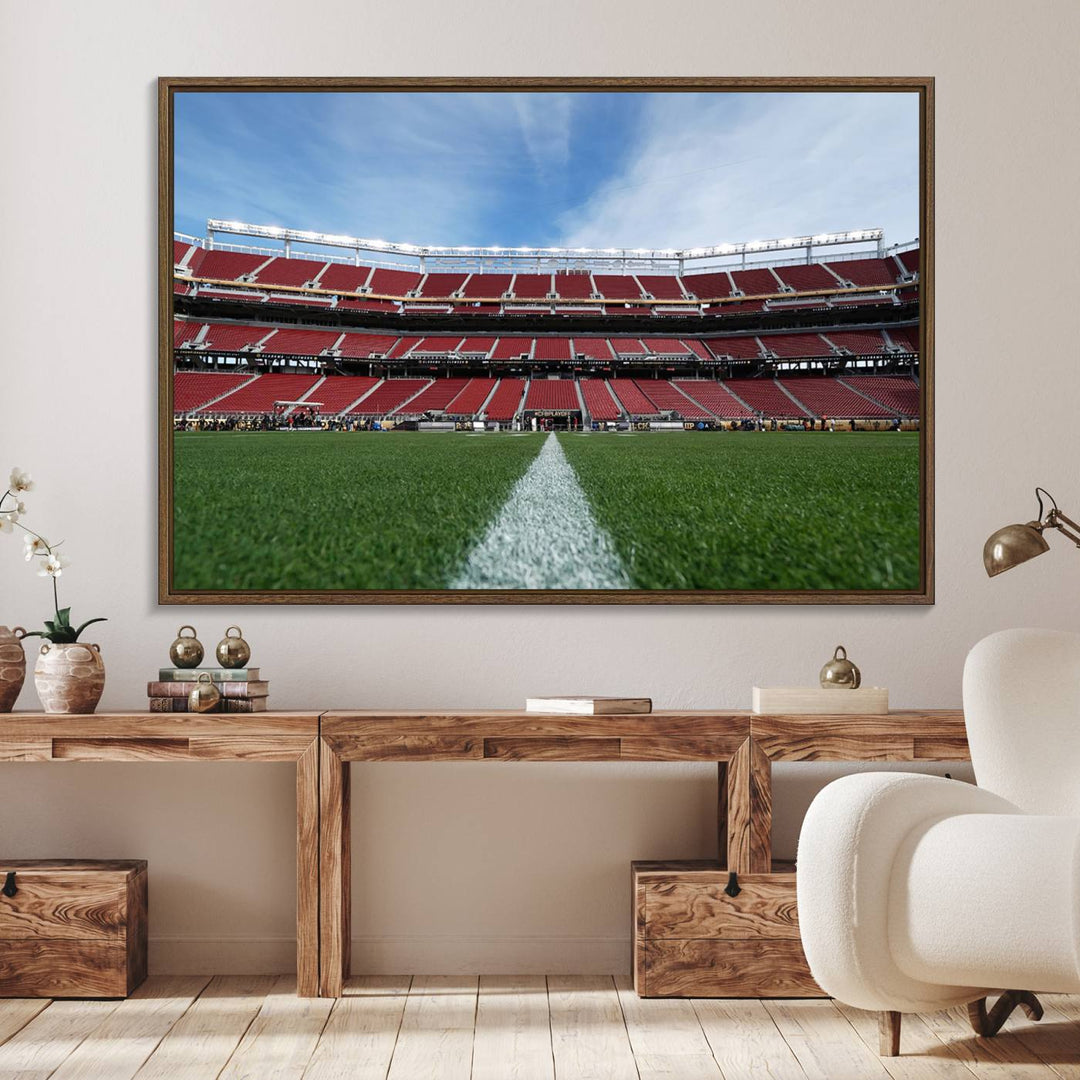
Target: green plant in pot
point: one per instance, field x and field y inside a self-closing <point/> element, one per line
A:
<point x="69" y="674"/>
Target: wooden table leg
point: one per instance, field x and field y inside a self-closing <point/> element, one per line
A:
<point x="334" y="872"/>
<point x="307" y="872"/>
<point x="722" y="813"/>
<point x="749" y="810"/>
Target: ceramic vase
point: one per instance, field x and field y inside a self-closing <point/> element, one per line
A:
<point x="69" y="678"/>
<point x="12" y="666"/>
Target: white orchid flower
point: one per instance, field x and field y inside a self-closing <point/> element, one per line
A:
<point x="6" y="523"/>
<point x="20" y="481"/>
<point x="34" y="545"/>
<point x="53" y="566"/>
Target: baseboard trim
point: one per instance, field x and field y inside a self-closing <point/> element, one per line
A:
<point x="431" y="954"/>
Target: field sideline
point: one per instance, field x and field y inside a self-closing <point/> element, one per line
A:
<point x="746" y="510"/>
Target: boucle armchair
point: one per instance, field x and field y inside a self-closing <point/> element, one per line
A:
<point x="919" y="893"/>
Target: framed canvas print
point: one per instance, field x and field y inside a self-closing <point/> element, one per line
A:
<point x="546" y="341"/>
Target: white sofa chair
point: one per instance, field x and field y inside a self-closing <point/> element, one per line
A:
<point x="918" y="893"/>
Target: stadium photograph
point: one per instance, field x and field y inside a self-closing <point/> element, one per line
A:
<point x="545" y="345"/>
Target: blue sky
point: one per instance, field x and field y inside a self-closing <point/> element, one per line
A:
<point x="591" y="170"/>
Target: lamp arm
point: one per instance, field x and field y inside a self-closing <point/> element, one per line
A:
<point x="1056" y="518"/>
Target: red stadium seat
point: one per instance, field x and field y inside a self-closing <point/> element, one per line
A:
<point x="506" y="400"/>
<point x="829" y="397"/>
<point x="193" y="389"/>
<point x="715" y="397"/>
<point x="259" y="396"/>
<point x="387" y="397"/>
<point x="552" y="395"/>
<point x="899" y="395"/>
<point x="599" y="400"/>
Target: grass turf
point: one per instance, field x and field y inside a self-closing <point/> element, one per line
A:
<point x="749" y="510"/>
<point x="274" y="510"/>
<point x="401" y="510"/>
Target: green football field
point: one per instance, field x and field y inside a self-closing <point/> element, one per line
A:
<point x="397" y="510"/>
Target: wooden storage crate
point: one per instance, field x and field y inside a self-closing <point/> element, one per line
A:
<point x="72" y="928"/>
<point x="692" y="939"/>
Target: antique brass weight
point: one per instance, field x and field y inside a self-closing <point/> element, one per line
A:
<point x="233" y="652"/>
<point x="840" y="673"/>
<point x="204" y="696"/>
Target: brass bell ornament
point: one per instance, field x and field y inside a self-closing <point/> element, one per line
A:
<point x="233" y="652"/>
<point x="204" y="696"/>
<point x="186" y="651"/>
<point x="840" y="673"/>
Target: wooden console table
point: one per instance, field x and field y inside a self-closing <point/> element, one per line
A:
<point x="322" y="745"/>
<point x="742" y="744"/>
<point x="135" y="736"/>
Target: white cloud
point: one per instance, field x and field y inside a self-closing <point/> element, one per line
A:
<point x="711" y="168"/>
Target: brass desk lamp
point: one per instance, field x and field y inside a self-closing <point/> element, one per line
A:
<point x="1014" y="544"/>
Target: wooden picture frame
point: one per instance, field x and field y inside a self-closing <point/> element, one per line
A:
<point x="169" y="593"/>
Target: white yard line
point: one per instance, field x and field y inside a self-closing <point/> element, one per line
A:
<point x="545" y="536"/>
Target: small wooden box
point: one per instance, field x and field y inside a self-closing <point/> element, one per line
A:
<point x="691" y="939"/>
<point x="72" y="928"/>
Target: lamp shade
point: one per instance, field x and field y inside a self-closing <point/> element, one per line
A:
<point x="1012" y="545"/>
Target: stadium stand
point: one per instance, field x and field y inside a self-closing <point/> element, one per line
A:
<point x="506" y="399"/>
<point x="627" y="347"/>
<point x="796" y="345"/>
<point x="301" y="342"/>
<point x="715" y="397"/>
<point x="708" y="286"/>
<point x="698" y="349"/>
<point x="574" y="286"/>
<point x="552" y="349"/>
<point x="471" y="398"/>
<point x="442" y="285"/>
<point x="617" y="286"/>
<point x="552" y="395"/>
<point x="910" y="260"/>
<point x="388" y="396"/>
<point x="185" y="331"/>
<point x="394" y="282"/>
<point x="337" y="392"/>
<point x="404" y="346"/>
<point x="284" y="271"/>
<point x="662" y="286"/>
<point x="598" y="400"/>
<point x="434" y="398"/>
<point x="806" y="278"/>
<point x="486" y="286"/>
<point x="193" y="389"/>
<point x="755" y="282"/>
<point x="226" y="337"/>
<point x="739" y="307"/>
<point x="593" y="348"/>
<point x="180" y="288"/>
<point x="477" y="346"/>
<point x="766" y="397"/>
<point x="360" y="346"/>
<point x="343" y="277"/>
<point x="738" y="348"/>
<point x="259" y="395"/>
<point x="829" y="397"/>
<point x="666" y="347"/>
<point x="632" y="399"/>
<point x="438" y="346"/>
<point x="856" y="342"/>
<point x="669" y="398"/>
<point x="512" y="348"/>
<point x="228" y="265"/>
<point x="866" y="271"/>
<point x="899" y="395"/>
<point x="532" y="286"/>
<point x="906" y="339"/>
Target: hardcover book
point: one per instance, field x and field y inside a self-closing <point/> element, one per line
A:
<point x="588" y="706"/>
<point x="226" y="689"/>
<point x="218" y="674"/>
<point x="228" y="705"/>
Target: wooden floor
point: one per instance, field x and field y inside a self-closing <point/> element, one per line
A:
<point x="515" y="1028"/>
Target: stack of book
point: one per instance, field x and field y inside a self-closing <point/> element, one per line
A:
<point x="241" y="689"/>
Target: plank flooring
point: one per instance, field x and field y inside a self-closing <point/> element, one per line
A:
<point x="522" y="1027"/>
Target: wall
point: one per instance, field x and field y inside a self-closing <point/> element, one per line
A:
<point x="494" y="867"/>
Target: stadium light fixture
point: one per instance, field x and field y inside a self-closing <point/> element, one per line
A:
<point x="277" y="232"/>
<point x="1015" y="544"/>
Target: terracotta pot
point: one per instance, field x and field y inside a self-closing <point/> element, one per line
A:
<point x="12" y="666"/>
<point x="69" y="678"/>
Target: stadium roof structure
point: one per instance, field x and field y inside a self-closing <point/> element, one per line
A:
<point x="436" y="257"/>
